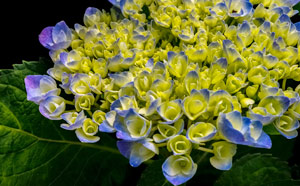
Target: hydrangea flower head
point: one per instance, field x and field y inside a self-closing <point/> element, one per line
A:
<point x="191" y="75"/>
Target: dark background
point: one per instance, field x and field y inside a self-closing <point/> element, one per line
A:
<point x="22" y="22"/>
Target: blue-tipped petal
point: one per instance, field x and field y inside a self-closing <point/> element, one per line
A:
<point x="221" y="164"/>
<point x="227" y="130"/>
<point x="239" y="8"/>
<point x="136" y="152"/>
<point x="122" y="78"/>
<point x="105" y="127"/>
<point x="297" y="25"/>
<point x="288" y="127"/>
<point x="257" y="137"/>
<point x="171" y="55"/>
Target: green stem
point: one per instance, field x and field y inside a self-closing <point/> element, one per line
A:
<point x="189" y="123"/>
<point x="284" y="83"/>
<point x="205" y="149"/>
<point x="97" y="98"/>
<point x="148" y="162"/>
<point x="97" y="105"/>
<point x="90" y="113"/>
<point x="161" y="144"/>
<point x="154" y="129"/>
<point x="69" y="102"/>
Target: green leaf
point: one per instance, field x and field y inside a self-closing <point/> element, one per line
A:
<point x="36" y="151"/>
<point x="282" y="148"/>
<point x="257" y="169"/>
<point x="297" y="7"/>
<point x="271" y="130"/>
<point x="153" y="176"/>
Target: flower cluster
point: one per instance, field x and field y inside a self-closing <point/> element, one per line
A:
<point x="180" y="74"/>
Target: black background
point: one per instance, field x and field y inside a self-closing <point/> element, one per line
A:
<point x="22" y="22"/>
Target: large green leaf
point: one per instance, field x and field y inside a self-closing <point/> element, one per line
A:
<point x="257" y="169"/>
<point x="36" y="151"/>
<point x="153" y="176"/>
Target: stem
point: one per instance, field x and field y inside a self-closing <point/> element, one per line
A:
<point x="70" y="111"/>
<point x="97" y="105"/>
<point x="153" y="129"/>
<point x="161" y="144"/>
<point x="189" y="124"/>
<point x="69" y="102"/>
<point x="97" y="98"/>
<point x="90" y="113"/>
<point x="148" y="162"/>
<point x="284" y="83"/>
<point x="205" y="149"/>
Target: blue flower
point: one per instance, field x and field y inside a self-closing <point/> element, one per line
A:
<point x="196" y="104"/>
<point x="71" y="60"/>
<point x="241" y="130"/>
<point x="168" y="131"/>
<point x="170" y="111"/>
<point x="178" y="169"/>
<point x="73" y="119"/>
<point x="239" y="8"/>
<point x="201" y="132"/>
<point x="177" y="64"/>
<point x="123" y="104"/>
<point x="52" y="107"/>
<point x="138" y="151"/>
<point x="86" y="134"/>
<point x="287" y="126"/>
<point x="108" y="124"/>
<point x="132" y="127"/>
<point x="57" y="37"/>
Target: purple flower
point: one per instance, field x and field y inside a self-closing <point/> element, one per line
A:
<point x="57" y="37"/>
<point x="52" y="107"/>
<point x="39" y="87"/>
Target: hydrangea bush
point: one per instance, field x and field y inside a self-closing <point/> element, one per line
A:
<point x="183" y="75"/>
